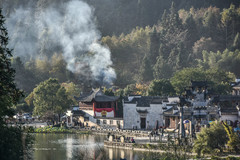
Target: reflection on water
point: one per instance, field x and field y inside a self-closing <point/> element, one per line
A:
<point x="74" y="146"/>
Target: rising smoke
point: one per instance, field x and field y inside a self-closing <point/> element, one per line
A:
<point x="71" y="28"/>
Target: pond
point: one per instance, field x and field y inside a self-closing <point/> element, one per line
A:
<point x="76" y="146"/>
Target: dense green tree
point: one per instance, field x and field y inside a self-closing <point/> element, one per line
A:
<point x="154" y="46"/>
<point x="128" y="52"/>
<point x="31" y="73"/>
<point x="146" y="72"/>
<point x="11" y="146"/>
<point x="211" y="22"/>
<point x="192" y="34"/>
<point x="23" y="107"/>
<point x="227" y="61"/>
<point x="230" y="19"/>
<point x="42" y="67"/>
<point x="161" y="87"/>
<point x="72" y="90"/>
<point x="58" y="67"/>
<point x="129" y="89"/>
<point x="25" y="78"/>
<point x="182" y="57"/>
<point x="9" y="94"/>
<point x="135" y="89"/>
<point x="210" y="139"/>
<point x="162" y="69"/>
<point x="50" y="98"/>
<point x="173" y="20"/>
<point x="203" y="44"/>
<point x="182" y="79"/>
<point x="218" y="80"/>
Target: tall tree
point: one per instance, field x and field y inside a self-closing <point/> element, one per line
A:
<point x="230" y="19"/>
<point x="9" y="94"/>
<point x="24" y="78"/>
<point x="154" y="46"/>
<point x="58" y="66"/>
<point x="10" y="138"/>
<point x="146" y="72"/>
<point x="50" y="99"/>
<point x="162" y="69"/>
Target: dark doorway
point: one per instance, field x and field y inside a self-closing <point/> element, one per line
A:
<point x="143" y="123"/>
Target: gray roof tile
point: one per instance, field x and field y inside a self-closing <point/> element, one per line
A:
<point x="98" y="96"/>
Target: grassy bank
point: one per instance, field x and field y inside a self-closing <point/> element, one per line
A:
<point x="50" y="129"/>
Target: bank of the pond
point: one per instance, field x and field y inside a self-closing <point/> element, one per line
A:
<point x="144" y="144"/>
<point x="50" y="129"/>
<point x="169" y="148"/>
<point x="159" y="147"/>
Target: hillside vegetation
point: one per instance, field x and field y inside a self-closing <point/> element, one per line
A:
<point x="148" y="40"/>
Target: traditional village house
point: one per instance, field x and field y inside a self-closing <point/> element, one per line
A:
<point x="99" y="110"/>
<point x="230" y="106"/>
<point x="197" y="113"/>
<point x="144" y="112"/>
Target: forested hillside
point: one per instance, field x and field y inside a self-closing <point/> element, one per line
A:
<point x="148" y="40"/>
<point x="121" y="16"/>
<point x="205" y="38"/>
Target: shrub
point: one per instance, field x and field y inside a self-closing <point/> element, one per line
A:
<point x="210" y="139"/>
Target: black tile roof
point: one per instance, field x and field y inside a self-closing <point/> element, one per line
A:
<point x="96" y="95"/>
<point x="231" y="110"/>
<point x="169" y="112"/>
<point x="142" y="111"/>
<point x="145" y="101"/>
<point x="223" y="98"/>
<point x="78" y="113"/>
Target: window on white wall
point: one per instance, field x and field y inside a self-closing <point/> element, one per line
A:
<point x="98" y="121"/>
<point x="104" y="122"/>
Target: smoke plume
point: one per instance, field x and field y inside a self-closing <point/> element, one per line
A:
<point x="68" y="27"/>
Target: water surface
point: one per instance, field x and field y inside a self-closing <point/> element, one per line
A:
<point x="76" y="146"/>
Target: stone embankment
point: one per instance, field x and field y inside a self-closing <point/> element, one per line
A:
<point x="120" y="132"/>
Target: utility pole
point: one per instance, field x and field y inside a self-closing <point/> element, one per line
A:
<point x="182" y="130"/>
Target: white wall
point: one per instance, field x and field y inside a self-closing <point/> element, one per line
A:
<point x="155" y="114"/>
<point x="130" y="116"/>
<point x="133" y="119"/>
<point x="90" y="114"/>
<point x="113" y="125"/>
<point x="232" y="118"/>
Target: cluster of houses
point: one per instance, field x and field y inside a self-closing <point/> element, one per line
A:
<point x="196" y="109"/>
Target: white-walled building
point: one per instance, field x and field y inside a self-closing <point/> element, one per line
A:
<point x="145" y="112"/>
<point x="229" y="107"/>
